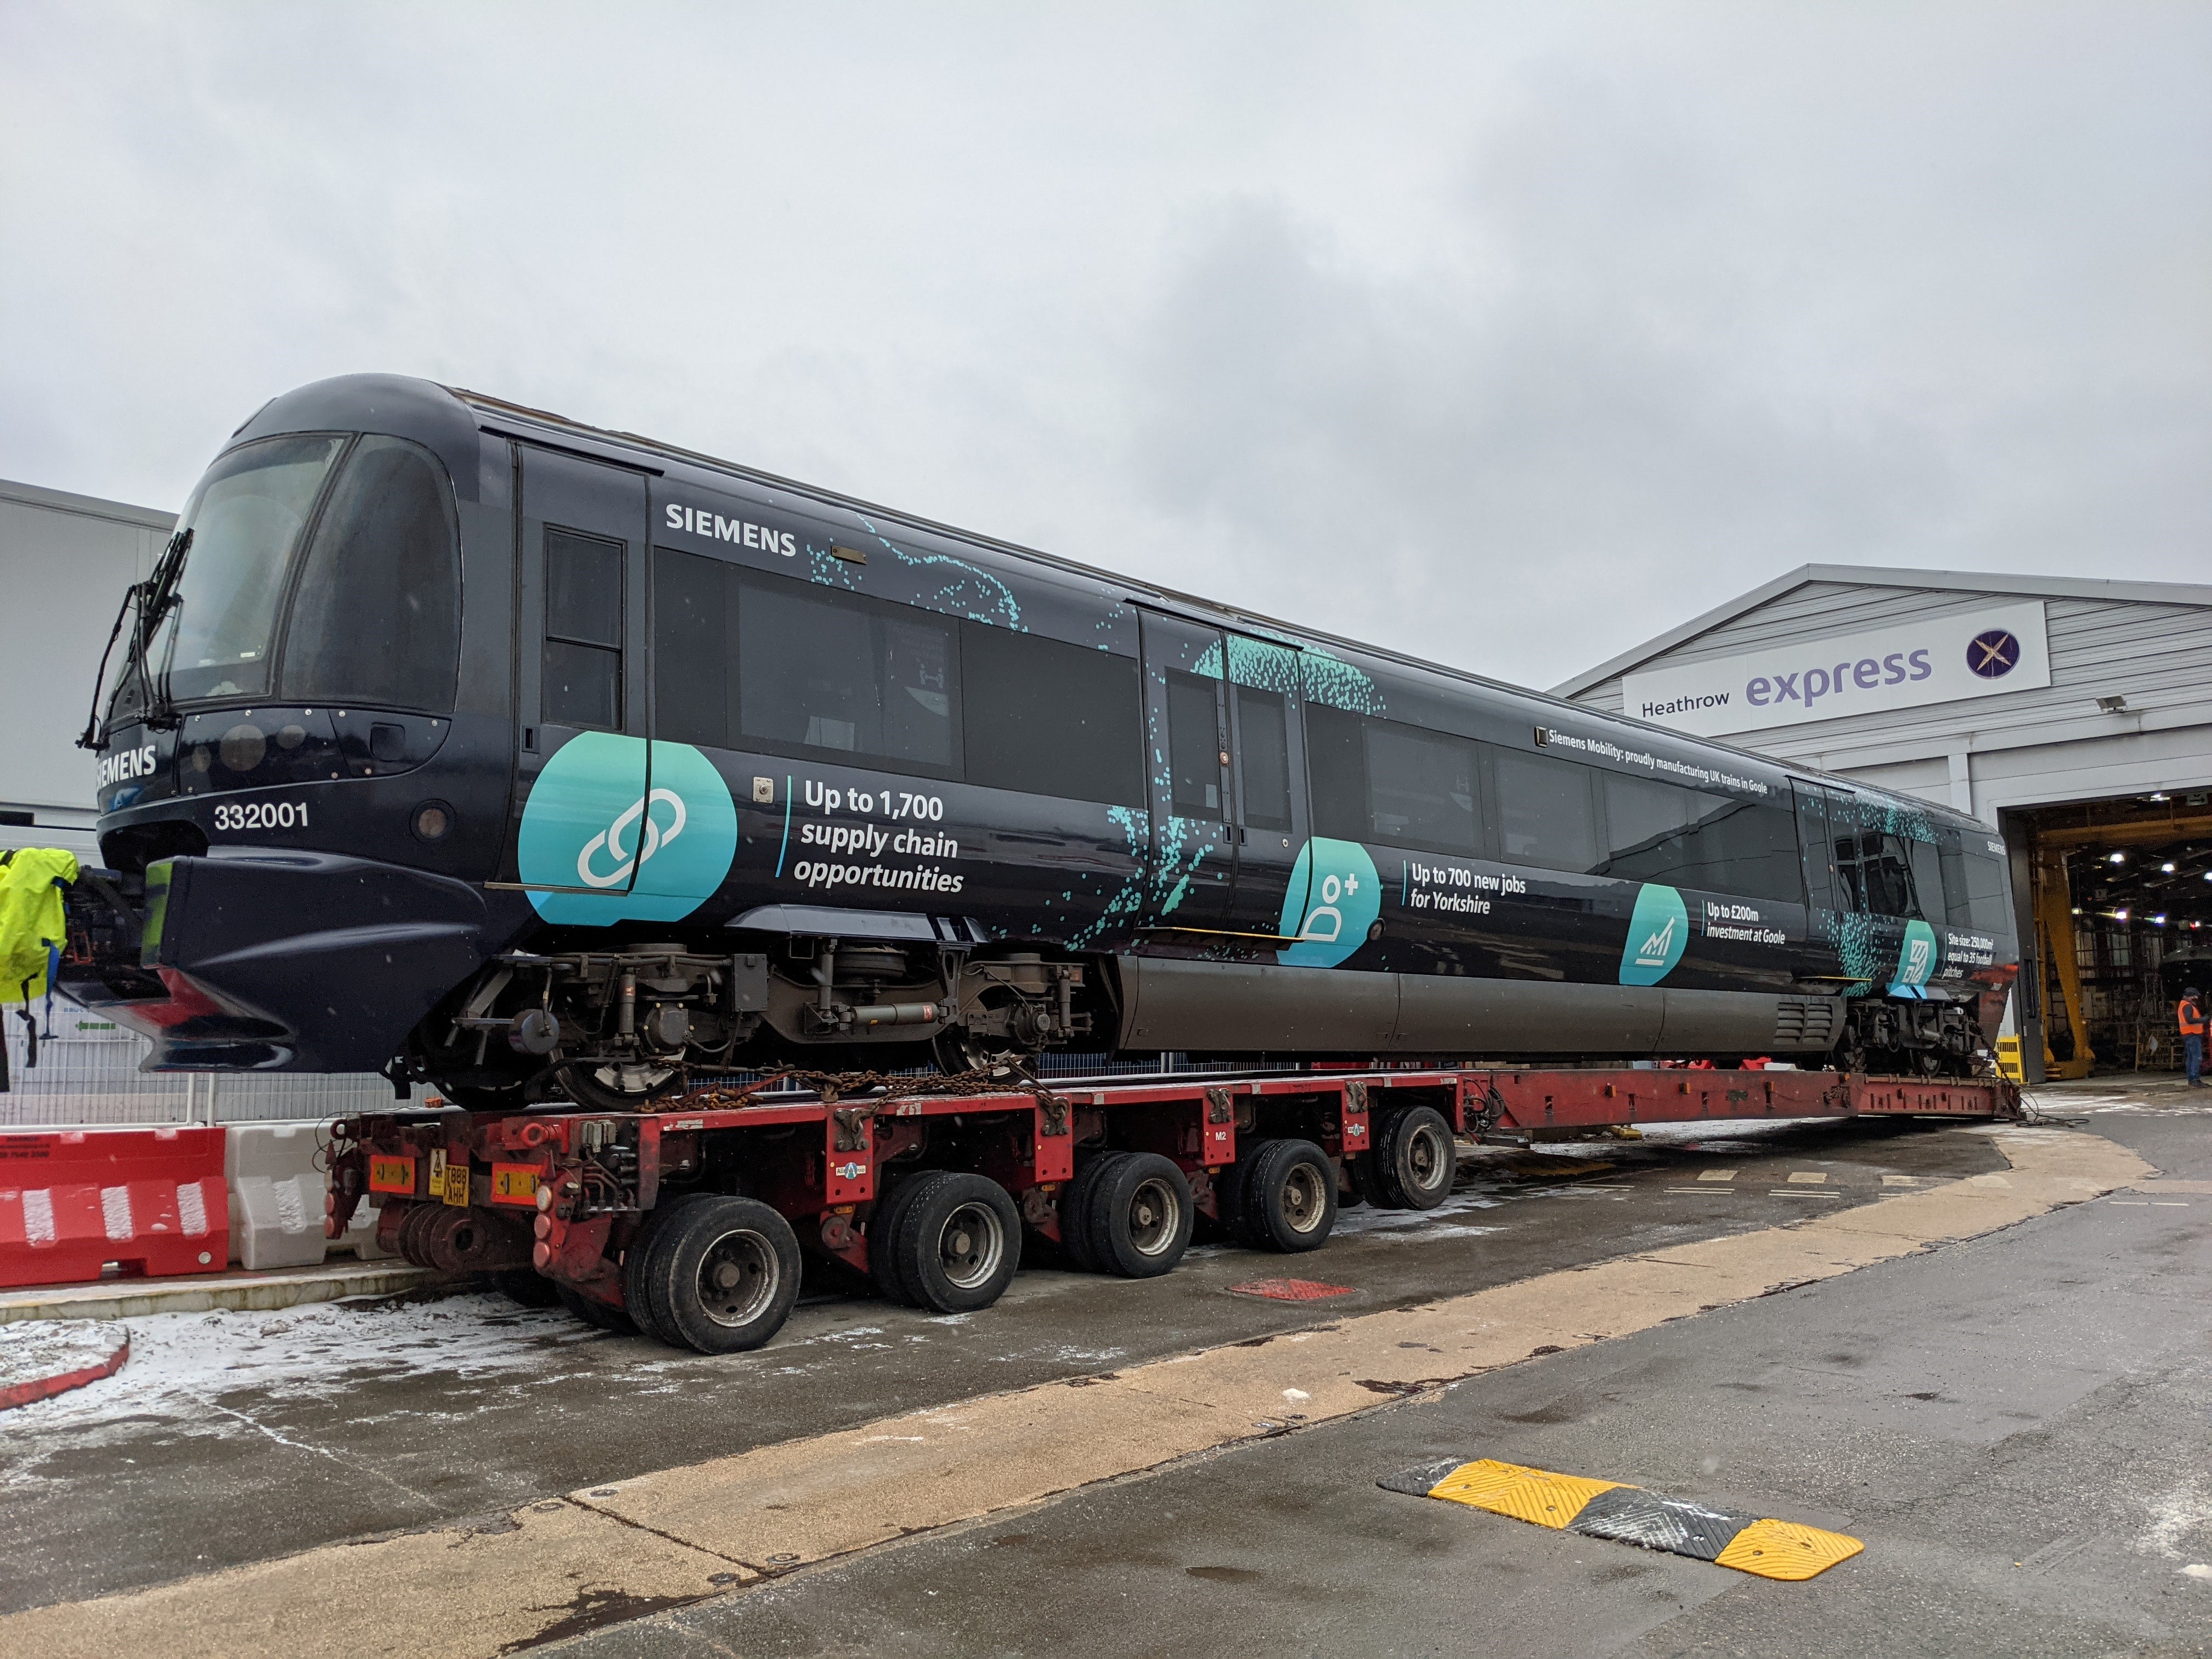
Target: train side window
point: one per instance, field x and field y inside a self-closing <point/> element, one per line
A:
<point x="581" y="681"/>
<point x="693" y="620"/>
<point x="1336" y="772"/>
<point x="827" y="671"/>
<point x="1196" y="745"/>
<point x="1974" y="894"/>
<point x="1263" y="754"/>
<point x="1544" y="809"/>
<point x="1879" y="874"/>
<point x="1420" y="788"/>
<point x="377" y="618"/>
<point x="1927" y="862"/>
<point x="1048" y="718"/>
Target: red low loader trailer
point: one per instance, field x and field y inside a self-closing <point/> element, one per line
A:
<point x="688" y="1221"/>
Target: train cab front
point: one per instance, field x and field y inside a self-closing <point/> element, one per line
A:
<point x="298" y="797"/>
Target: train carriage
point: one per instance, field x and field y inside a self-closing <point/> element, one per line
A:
<point x="468" y="744"/>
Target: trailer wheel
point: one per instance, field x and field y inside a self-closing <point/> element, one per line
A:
<point x="1139" y="1219"/>
<point x="1289" y="1197"/>
<point x="527" y="1288"/>
<point x="595" y="1312"/>
<point x="413" y="1227"/>
<point x="1413" y="1161"/>
<point x="882" y="1241"/>
<point x="958" y="1242"/>
<point x="1075" y="1210"/>
<point x="728" y="1274"/>
<point x="638" y="1277"/>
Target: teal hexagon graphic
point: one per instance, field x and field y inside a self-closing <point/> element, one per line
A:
<point x="591" y="824"/>
<point x="1657" y="934"/>
<point x="1916" y="956"/>
<point x="1334" y="898"/>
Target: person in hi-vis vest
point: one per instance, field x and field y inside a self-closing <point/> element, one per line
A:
<point x="2191" y="1014"/>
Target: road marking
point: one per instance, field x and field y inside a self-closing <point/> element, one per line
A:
<point x="1809" y="1177"/>
<point x="1718" y="1175"/>
<point x="1614" y="1509"/>
<point x="1800" y="1191"/>
<point x="1705" y="1192"/>
<point x="676" y="1535"/>
<point x="1900" y="1181"/>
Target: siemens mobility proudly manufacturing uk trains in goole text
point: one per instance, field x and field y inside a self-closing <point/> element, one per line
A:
<point x="464" y="743"/>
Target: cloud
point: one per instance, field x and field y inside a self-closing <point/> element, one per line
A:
<point x="1504" y="335"/>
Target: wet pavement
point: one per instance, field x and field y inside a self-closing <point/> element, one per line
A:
<point x="235" y="1438"/>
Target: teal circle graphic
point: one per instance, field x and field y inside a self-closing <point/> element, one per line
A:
<point x="1657" y="934"/>
<point x="589" y="823"/>
<point x="1334" y="898"/>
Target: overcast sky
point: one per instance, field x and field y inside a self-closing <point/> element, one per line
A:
<point x="1507" y="336"/>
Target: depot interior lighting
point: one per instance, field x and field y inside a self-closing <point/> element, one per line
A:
<point x="2158" y="921"/>
<point x="2119" y="857"/>
<point x="2158" y="794"/>
<point x="2166" y="869"/>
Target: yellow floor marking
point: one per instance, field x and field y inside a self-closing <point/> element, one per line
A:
<point x="1536" y="1496"/>
<point x="1809" y="1178"/>
<point x="1782" y="1549"/>
<point x="700" y="1528"/>
<point x="1718" y="1175"/>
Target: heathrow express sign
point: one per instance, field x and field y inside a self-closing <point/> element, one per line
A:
<point x="1973" y="653"/>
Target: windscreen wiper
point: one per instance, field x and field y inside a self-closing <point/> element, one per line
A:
<point x="154" y="599"/>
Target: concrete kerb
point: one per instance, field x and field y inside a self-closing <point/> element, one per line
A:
<point x="777" y="1508"/>
<point x="262" y="1293"/>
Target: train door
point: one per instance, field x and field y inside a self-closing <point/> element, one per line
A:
<point x="1224" y="740"/>
<point x="1190" y="784"/>
<point x="583" y="782"/>
<point x="1267" y="754"/>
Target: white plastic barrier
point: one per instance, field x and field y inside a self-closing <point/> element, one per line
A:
<point x="276" y="1188"/>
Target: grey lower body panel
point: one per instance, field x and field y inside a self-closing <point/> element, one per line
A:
<point x="1172" y="1003"/>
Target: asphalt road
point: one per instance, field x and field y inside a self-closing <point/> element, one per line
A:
<point x="2036" y="1396"/>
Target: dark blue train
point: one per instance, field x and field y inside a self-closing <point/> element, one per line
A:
<point x="463" y="742"/>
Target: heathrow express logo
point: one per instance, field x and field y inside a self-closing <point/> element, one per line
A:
<point x="1334" y="898"/>
<point x="1657" y="933"/>
<point x="1993" y="655"/>
<point x="589" y="823"/>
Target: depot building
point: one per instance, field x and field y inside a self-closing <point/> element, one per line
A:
<point x="2072" y="716"/>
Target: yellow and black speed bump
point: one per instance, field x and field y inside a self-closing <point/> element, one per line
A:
<point x="1630" y="1515"/>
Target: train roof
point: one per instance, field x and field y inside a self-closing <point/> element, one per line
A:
<point x="344" y="401"/>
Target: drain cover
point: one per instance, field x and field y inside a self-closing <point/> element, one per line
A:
<point x="1290" y="1290"/>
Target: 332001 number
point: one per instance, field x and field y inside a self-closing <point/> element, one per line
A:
<point x="262" y="815"/>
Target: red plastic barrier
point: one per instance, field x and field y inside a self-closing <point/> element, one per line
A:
<point x="149" y="1202"/>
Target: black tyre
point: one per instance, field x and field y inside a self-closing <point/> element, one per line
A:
<point x="958" y="1242"/>
<point x="883" y="1240"/>
<point x="637" y="1266"/>
<point x="1232" y="1184"/>
<point x="1367" y="1174"/>
<point x="413" y="1228"/>
<point x="726" y="1277"/>
<point x="1139" y="1219"/>
<point x="1289" y="1197"/>
<point x="1414" y="1160"/>
<point x="526" y="1287"/>
<point x="1075" y="1209"/>
<point x="595" y="1312"/>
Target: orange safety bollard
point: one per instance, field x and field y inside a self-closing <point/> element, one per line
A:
<point x="76" y="1204"/>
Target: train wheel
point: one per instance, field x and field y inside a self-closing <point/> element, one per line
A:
<point x="729" y="1275"/>
<point x="526" y="1287"/>
<point x="652" y="1235"/>
<point x="1290" y="1196"/>
<point x="958" y="1242"/>
<point x="594" y="1312"/>
<point x="1075" y="1210"/>
<point x="1413" y="1161"/>
<point x="1139" y="1216"/>
<point x="883" y="1240"/>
